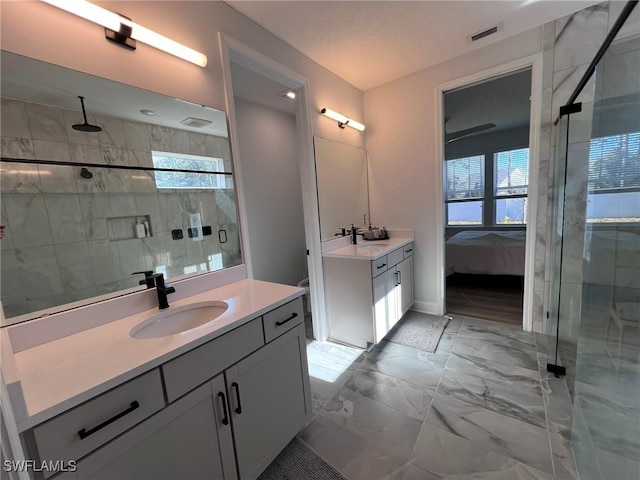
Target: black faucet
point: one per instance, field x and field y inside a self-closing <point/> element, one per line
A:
<point x="157" y="280"/>
<point x="354" y="234"/>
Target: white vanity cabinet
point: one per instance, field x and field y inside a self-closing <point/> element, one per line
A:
<point x="223" y="410"/>
<point x="365" y="298"/>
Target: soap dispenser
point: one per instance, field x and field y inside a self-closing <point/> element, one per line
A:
<point x="140" y="231"/>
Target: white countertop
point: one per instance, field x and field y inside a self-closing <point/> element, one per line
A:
<point x="368" y="250"/>
<point x="63" y="373"/>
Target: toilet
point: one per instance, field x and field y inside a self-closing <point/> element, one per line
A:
<point x="307" y="294"/>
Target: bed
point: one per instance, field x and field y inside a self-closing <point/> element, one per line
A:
<point x="486" y="252"/>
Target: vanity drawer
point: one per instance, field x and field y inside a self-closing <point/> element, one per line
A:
<point x="408" y="250"/>
<point x="186" y="372"/>
<point x="395" y="257"/>
<point x="283" y="318"/>
<point x="379" y="266"/>
<point x="100" y="419"/>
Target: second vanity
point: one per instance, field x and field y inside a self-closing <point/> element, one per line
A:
<point x="217" y="401"/>
<point x="368" y="288"/>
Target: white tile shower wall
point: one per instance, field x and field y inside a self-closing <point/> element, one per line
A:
<point x="56" y="247"/>
<point x="569" y="44"/>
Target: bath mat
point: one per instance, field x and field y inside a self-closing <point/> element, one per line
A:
<point x="296" y="462"/>
<point x="418" y="330"/>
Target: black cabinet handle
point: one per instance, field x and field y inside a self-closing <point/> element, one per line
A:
<point x="282" y="322"/>
<point x="409" y="250"/>
<point x="239" y="407"/>
<point x="84" y="433"/>
<point x="381" y="266"/>
<point x="399" y="279"/>
<point x="225" y="419"/>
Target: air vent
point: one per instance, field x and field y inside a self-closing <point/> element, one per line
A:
<point x="485" y="33"/>
<point x="196" y="122"/>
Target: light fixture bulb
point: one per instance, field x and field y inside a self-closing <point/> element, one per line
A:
<point x="113" y="21"/>
<point x="291" y="94"/>
<point x="342" y="119"/>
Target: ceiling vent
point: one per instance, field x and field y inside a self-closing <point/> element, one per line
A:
<point x="196" y="122"/>
<point x="485" y="33"/>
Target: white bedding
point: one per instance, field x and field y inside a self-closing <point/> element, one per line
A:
<point x="487" y="252"/>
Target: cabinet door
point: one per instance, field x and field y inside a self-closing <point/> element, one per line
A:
<point x="182" y="441"/>
<point x="405" y="285"/>
<point x="268" y="394"/>
<point x="385" y="304"/>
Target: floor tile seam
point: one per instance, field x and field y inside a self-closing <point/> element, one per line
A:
<point x="368" y="441"/>
<point x="360" y="369"/>
<point x="546" y="418"/>
<point x="537" y="369"/>
<point x="483" y="447"/>
<point x="526" y="347"/>
<point x="470" y="370"/>
<point x="537" y="382"/>
<point x="591" y="445"/>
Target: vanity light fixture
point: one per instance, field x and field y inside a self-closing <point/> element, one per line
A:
<point x="123" y="31"/>
<point x="290" y="94"/>
<point x="342" y="119"/>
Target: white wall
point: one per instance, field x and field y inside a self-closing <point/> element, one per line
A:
<point x="272" y="189"/>
<point x="401" y="128"/>
<point x="46" y="33"/>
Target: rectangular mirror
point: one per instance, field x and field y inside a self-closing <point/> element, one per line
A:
<point x="82" y="209"/>
<point x="343" y="187"/>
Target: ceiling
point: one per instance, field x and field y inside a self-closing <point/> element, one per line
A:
<point x="370" y="43"/>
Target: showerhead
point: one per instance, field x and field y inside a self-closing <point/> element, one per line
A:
<point x="85" y="173"/>
<point x="86" y="126"/>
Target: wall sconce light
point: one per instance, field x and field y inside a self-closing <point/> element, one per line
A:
<point x="123" y="31"/>
<point x="342" y="120"/>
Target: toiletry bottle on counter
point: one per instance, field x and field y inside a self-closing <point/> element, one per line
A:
<point x="147" y="232"/>
<point x="140" y="232"/>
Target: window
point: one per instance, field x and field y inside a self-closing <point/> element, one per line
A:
<point x="182" y="179"/>
<point x="464" y="190"/>
<point x="474" y="198"/>
<point x="511" y="177"/>
<point x="614" y="179"/>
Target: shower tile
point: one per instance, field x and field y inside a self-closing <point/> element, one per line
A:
<point x="562" y="452"/>
<point x="105" y="262"/>
<point x="65" y="218"/>
<point x="86" y="154"/>
<point x="615" y="467"/>
<point x="39" y="269"/>
<point x="131" y="256"/>
<point x="215" y="146"/>
<point x="179" y="141"/>
<point x="226" y="205"/>
<point x="74" y="263"/>
<point x="10" y="276"/>
<point x="160" y="138"/>
<point x="19" y="148"/>
<point x="14" y="119"/>
<point x="96" y="208"/>
<point x="112" y="134"/>
<point x="381" y="425"/>
<point x="397" y="394"/>
<point x="506" y="435"/>
<point x="123" y="204"/>
<point x="171" y="212"/>
<point x="28" y="218"/>
<point x="20" y="178"/>
<point x="450" y="456"/>
<point x="197" y="144"/>
<point x="137" y="135"/>
<point x="46" y="123"/>
<point x="75" y="136"/>
<point x="7" y="241"/>
<point x="58" y="178"/>
<point x="154" y="252"/>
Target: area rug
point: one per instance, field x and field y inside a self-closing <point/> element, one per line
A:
<point x="297" y="462"/>
<point x="418" y="330"/>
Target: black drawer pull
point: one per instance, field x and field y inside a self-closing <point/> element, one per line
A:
<point x="225" y="419"/>
<point x="239" y="407"/>
<point x="381" y="266"/>
<point x="85" y="433"/>
<point x="409" y="251"/>
<point x="287" y="320"/>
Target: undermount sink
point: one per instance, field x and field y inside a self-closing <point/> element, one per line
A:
<point x="178" y="319"/>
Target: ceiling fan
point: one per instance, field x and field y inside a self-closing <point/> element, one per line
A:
<point x="453" y="136"/>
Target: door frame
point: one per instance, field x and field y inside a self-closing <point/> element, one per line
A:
<point x="233" y="51"/>
<point x="535" y="63"/>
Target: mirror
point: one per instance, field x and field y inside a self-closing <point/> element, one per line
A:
<point x="82" y="209"/>
<point x="343" y="192"/>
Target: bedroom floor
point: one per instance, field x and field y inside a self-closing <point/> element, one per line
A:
<point x="481" y="407"/>
<point x="497" y="298"/>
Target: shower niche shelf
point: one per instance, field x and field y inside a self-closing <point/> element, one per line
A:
<point x="124" y="228"/>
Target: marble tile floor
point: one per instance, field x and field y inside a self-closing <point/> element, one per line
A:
<point x="478" y="408"/>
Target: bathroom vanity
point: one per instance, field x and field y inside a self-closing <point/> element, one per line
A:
<point x="368" y="287"/>
<point x="219" y="400"/>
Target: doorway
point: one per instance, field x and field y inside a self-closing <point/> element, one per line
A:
<point x="486" y="208"/>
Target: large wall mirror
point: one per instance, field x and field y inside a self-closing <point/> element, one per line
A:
<point x="343" y="188"/>
<point x="142" y="182"/>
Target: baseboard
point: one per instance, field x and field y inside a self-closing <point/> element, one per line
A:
<point x="426" y="307"/>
